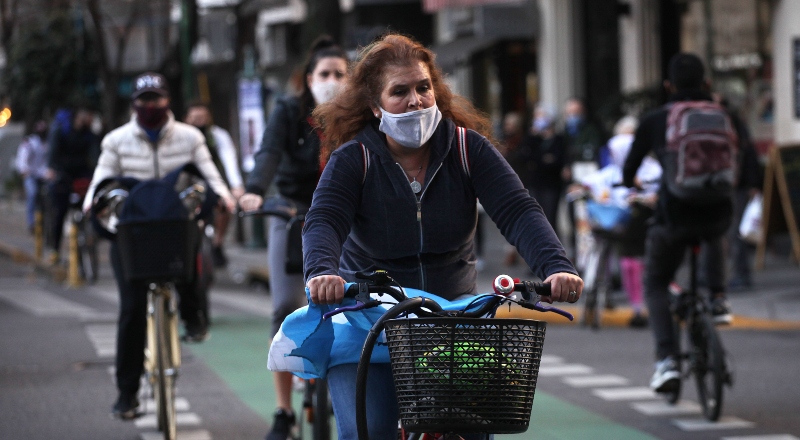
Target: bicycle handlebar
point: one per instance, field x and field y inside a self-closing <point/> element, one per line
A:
<point x="531" y="293"/>
<point x="285" y="214"/>
<point x="278" y="207"/>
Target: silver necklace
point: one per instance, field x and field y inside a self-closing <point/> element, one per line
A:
<point x="416" y="186"/>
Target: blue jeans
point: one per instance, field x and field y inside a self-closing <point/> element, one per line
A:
<point x="31" y="193"/>
<point x="382" y="411"/>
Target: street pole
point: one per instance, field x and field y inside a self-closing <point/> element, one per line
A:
<point x="709" y="28"/>
<point x="185" y="54"/>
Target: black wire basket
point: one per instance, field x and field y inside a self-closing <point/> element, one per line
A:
<point x="158" y="250"/>
<point x="465" y="375"/>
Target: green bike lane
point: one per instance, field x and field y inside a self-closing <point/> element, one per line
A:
<point x="237" y="353"/>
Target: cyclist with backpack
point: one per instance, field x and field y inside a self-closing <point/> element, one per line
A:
<point x="399" y="193"/>
<point x="696" y="142"/>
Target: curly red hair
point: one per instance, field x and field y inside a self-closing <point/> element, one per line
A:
<point x="349" y="112"/>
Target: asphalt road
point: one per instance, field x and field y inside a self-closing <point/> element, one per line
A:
<point x="57" y="348"/>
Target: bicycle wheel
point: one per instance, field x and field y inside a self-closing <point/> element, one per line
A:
<point x="164" y="389"/>
<point x="672" y="396"/>
<point x="591" y="316"/>
<point x="87" y="250"/>
<point x="708" y="366"/>
<point x="321" y="407"/>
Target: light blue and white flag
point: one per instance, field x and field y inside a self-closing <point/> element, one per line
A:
<point x="308" y="345"/>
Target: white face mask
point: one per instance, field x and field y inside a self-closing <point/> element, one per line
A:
<point x="324" y="91"/>
<point x="411" y="129"/>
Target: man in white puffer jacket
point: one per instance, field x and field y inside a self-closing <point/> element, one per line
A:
<point x="150" y="146"/>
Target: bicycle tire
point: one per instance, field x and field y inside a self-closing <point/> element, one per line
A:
<point x="165" y="382"/>
<point x="708" y="367"/>
<point x="674" y="395"/>
<point x="598" y="293"/>
<point x="321" y="407"/>
<point x="590" y="316"/>
<point x="87" y="250"/>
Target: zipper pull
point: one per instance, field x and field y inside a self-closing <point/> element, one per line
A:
<point x="419" y="211"/>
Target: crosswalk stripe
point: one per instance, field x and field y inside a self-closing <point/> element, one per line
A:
<point x="199" y="434"/>
<point x="103" y="338"/>
<point x="41" y="303"/>
<point x="706" y="425"/>
<point x="595" y="381"/>
<point x="763" y="437"/>
<point x="181" y="405"/>
<point x="564" y="370"/>
<point x="181" y="419"/>
<point x="551" y="359"/>
<point x="662" y="408"/>
<point x="631" y="393"/>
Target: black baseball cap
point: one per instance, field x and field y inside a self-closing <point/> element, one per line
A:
<point x="150" y="82"/>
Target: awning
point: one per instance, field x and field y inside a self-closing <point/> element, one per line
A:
<point x="459" y="51"/>
<point x="431" y="6"/>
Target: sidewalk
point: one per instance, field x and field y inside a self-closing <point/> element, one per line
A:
<point x="773" y="302"/>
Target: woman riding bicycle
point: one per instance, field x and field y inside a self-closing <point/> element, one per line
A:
<point x="398" y="193"/>
<point x="290" y="155"/>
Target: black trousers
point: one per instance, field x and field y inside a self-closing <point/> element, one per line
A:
<point x="132" y="324"/>
<point x="664" y="253"/>
<point x="59" y="191"/>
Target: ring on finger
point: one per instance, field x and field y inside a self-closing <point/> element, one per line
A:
<point x="572" y="294"/>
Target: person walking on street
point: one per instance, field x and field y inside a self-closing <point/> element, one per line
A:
<point x="31" y="164"/>
<point x="545" y="175"/>
<point x="583" y="140"/>
<point x="152" y="144"/>
<point x="685" y="213"/>
<point x="631" y="245"/>
<point x="72" y="155"/>
<point x="223" y="151"/>
<point x="290" y="155"/>
<point x="399" y="193"/>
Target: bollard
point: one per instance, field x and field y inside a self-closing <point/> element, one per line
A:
<point x="73" y="271"/>
<point x="38" y="235"/>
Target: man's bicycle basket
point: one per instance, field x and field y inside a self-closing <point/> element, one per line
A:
<point x="465" y="375"/>
<point x="158" y="250"/>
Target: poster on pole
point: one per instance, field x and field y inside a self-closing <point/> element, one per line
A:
<point x="251" y="120"/>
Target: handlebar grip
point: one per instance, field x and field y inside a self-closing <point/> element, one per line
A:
<point x="505" y="285"/>
<point x="542" y="289"/>
<point x="350" y="290"/>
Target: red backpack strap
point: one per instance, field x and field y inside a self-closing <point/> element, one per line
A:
<point x="463" y="149"/>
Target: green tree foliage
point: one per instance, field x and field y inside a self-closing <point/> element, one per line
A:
<point x="49" y="66"/>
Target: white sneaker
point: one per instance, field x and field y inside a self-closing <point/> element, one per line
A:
<point x="666" y="378"/>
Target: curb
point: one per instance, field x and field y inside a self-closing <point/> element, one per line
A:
<point x="57" y="273"/>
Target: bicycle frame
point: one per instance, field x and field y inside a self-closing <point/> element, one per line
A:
<point x="82" y="241"/>
<point x="704" y="354"/>
<point x="163" y="354"/>
<point x="597" y="282"/>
